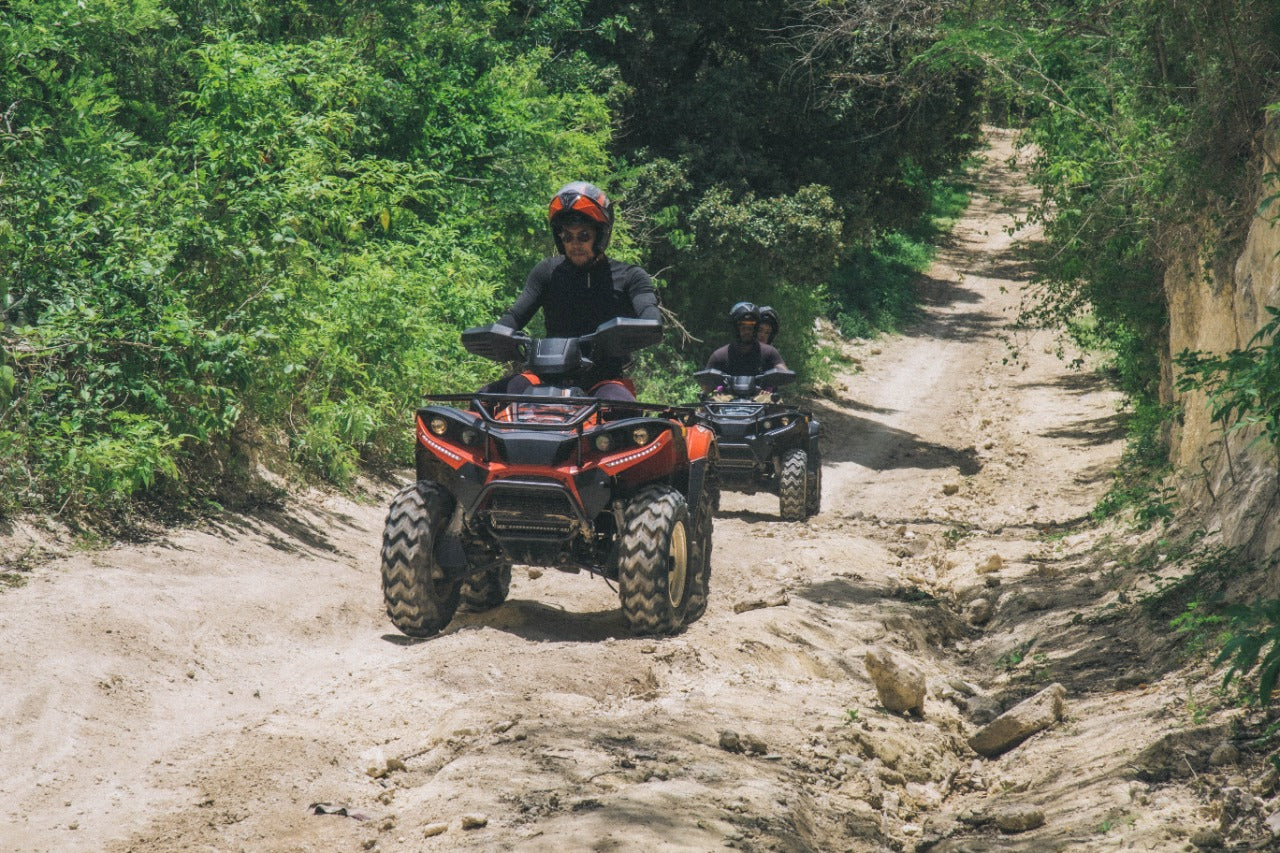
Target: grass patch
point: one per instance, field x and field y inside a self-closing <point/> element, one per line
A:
<point x="873" y="290"/>
<point x="12" y="580"/>
<point x="1138" y="483"/>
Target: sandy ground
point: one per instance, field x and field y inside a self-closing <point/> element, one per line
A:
<point x="207" y="691"/>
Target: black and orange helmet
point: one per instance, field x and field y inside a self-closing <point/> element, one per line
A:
<point x="581" y="203"/>
<point x="743" y="312"/>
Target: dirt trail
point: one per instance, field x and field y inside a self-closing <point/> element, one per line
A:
<point x="205" y="691"/>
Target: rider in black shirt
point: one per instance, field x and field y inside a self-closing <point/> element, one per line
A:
<point x="745" y="356"/>
<point x="582" y="287"/>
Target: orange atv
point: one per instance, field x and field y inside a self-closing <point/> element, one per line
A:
<point x="553" y="478"/>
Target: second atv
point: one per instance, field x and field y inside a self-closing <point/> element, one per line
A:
<point x="553" y="478"/>
<point x="763" y="444"/>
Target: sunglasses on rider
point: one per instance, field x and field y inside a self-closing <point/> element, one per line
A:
<point x="584" y="236"/>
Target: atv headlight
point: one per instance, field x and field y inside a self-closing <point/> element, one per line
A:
<point x="776" y="423"/>
<point x="470" y="436"/>
<point x="604" y="442"/>
<point x="640" y="435"/>
<point x="438" y="426"/>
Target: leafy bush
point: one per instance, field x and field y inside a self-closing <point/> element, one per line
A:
<point x="225" y="227"/>
<point x="872" y="289"/>
<point x="1137" y="484"/>
<point x="1254" y="644"/>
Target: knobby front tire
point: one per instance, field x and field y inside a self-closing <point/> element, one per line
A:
<point x="420" y="599"/>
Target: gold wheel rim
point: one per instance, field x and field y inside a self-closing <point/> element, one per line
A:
<point x="677" y="564"/>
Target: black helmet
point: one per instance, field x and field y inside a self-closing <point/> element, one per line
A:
<point x="581" y="203"/>
<point x="768" y="315"/>
<point x="743" y="312"/>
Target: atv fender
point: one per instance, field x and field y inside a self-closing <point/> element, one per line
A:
<point x="698" y="470"/>
<point x="700" y="441"/>
<point x="815" y="430"/>
<point x="449" y="553"/>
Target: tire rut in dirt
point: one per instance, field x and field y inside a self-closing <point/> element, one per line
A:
<point x="420" y="600"/>
<point x="655" y="565"/>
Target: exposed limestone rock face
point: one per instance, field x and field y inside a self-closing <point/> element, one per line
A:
<point x="1216" y="308"/>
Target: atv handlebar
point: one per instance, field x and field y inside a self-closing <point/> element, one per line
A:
<point x="616" y="338"/>
<point x="743" y="386"/>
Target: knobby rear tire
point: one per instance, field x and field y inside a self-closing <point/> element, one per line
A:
<point x="420" y="599"/>
<point x="791" y="485"/>
<point x="813" y="495"/>
<point x="487" y="590"/>
<point x="656" y="561"/>
<point x="702" y="523"/>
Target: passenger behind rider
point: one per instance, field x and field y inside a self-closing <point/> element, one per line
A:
<point x="767" y="330"/>
<point x="581" y="288"/>
<point x="745" y="355"/>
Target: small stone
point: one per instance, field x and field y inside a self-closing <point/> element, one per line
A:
<point x="993" y="563"/>
<point x="474" y="821"/>
<point x="949" y="489"/>
<point x="978" y="611"/>
<point x="779" y="600"/>
<point x="891" y="777"/>
<point x="1018" y="819"/>
<point x="1224" y="753"/>
<point x="1207" y="839"/>
<point x="754" y="745"/>
<point x="899" y="683"/>
<point x="534" y="574"/>
<point x="433" y="829"/>
<point x="730" y="742"/>
<point x="1020" y="722"/>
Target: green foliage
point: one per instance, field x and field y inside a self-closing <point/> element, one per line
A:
<point x="242" y="231"/>
<point x="753" y="154"/>
<point x="235" y="225"/>
<point x="764" y="98"/>
<point x="872" y="290"/>
<point x="1200" y="624"/>
<point x="1139" y="119"/>
<point x="745" y="250"/>
<point x="1010" y="659"/>
<point x="1254" y="644"/>
<point x="1138" y="482"/>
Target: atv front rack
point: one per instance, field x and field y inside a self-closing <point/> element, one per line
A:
<point x="486" y="405"/>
